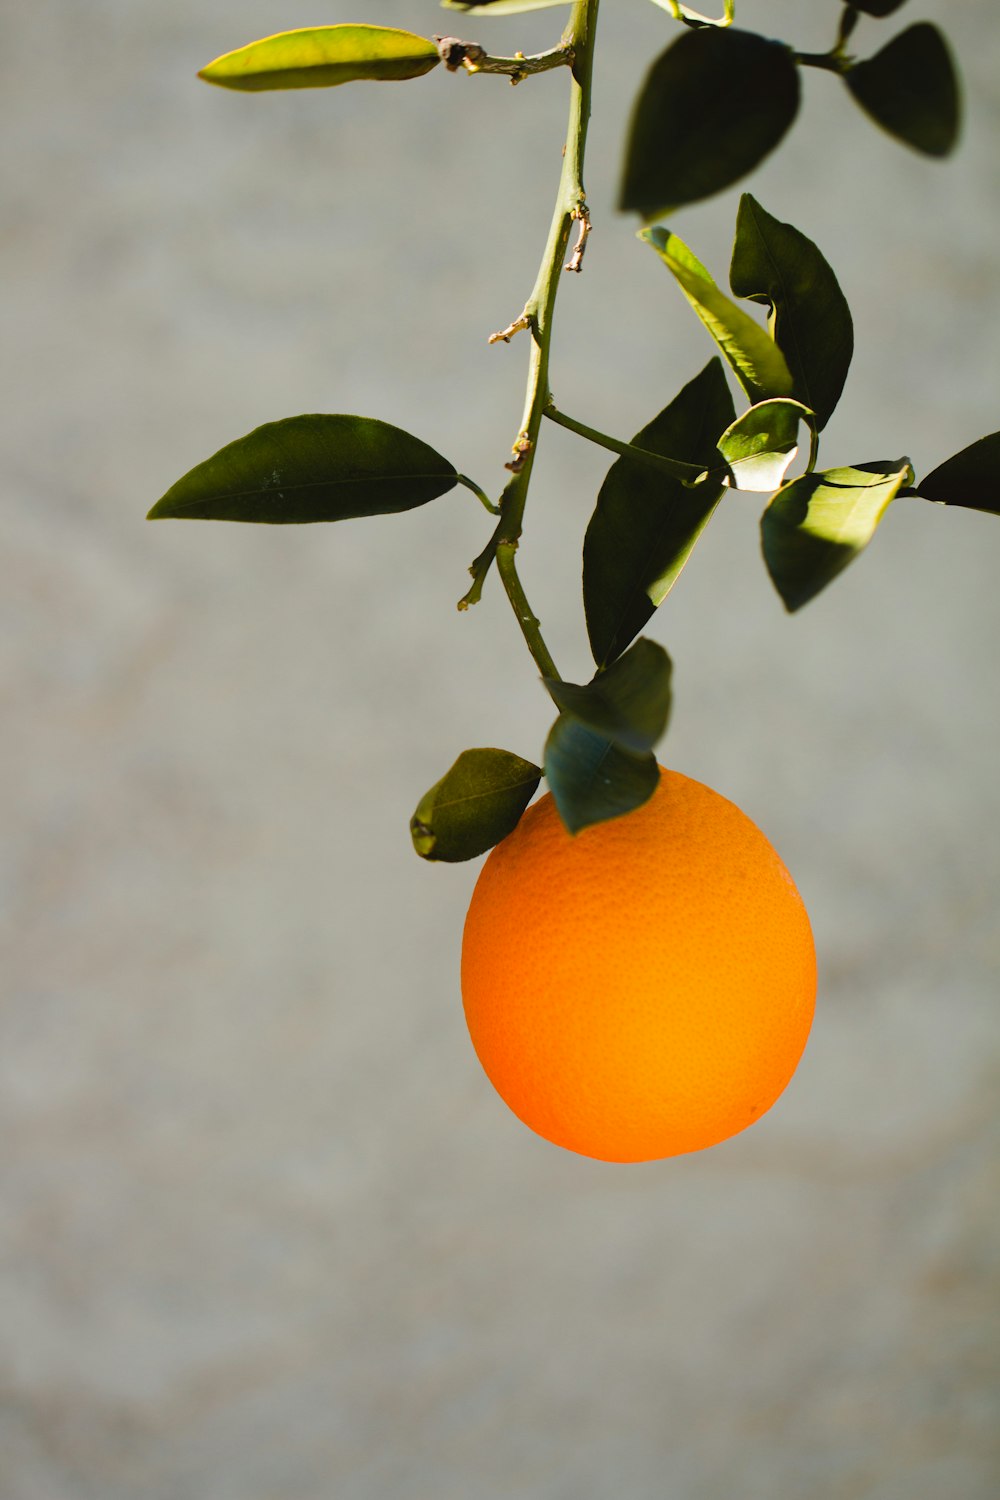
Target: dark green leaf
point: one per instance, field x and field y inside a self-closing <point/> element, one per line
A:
<point x="712" y="106"/>
<point x="322" y="56"/>
<point x="819" y="523"/>
<point x="756" y="360"/>
<point x="970" y="479"/>
<point x="592" y="779"/>
<point x="910" y="88"/>
<point x="645" y="523"/>
<point x="761" y="444"/>
<point x="877" y="7"/>
<point x="628" y="703"/>
<point x="311" y="468"/>
<point x="776" y="264"/>
<point x="474" y="805"/>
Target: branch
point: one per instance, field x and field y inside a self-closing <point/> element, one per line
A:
<point x="473" y="58"/>
<point x="583" y="228"/>
<point x="570" y="208"/>
<point x="526" y="617"/>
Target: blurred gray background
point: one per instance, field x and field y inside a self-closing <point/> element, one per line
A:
<point x="267" y="1233"/>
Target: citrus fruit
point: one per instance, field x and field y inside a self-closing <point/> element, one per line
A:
<point x="644" y="988"/>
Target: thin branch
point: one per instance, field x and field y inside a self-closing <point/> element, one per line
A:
<point x="526" y="617"/>
<point x="479" y="568"/>
<point x="570" y="206"/>
<point x="583" y="228"/>
<point x="506" y="334"/>
<point x="473" y="58"/>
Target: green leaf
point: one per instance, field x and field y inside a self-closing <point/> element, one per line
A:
<point x="776" y="264"/>
<point x="592" y="779"/>
<point x="910" y="88"/>
<point x="645" y="524"/>
<point x="711" y="108"/>
<point x="628" y="703"/>
<point x="311" y="468"/>
<point x="819" y="523"/>
<point x="970" y="479"/>
<point x="758" y="363"/>
<point x="474" y="805"/>
<point x="761" y="444"/>
<point x="322" y="56"/>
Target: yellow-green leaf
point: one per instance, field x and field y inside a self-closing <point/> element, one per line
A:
<point x="321" y="56"/>
<point x="760" y="445"/>
<point x="757" y="362"/>
<point x="819" y="523"/>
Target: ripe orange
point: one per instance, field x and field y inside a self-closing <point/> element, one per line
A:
<point x="645" y="987"/>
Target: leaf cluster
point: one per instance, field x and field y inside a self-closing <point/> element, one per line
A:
<point x="710" y="108"/>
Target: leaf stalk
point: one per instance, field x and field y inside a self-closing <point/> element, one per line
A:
<point x="694" y="17"/>
<point x="829" y="62"/>
<point x="688" y="474"/>
<point x="480" y="494"/>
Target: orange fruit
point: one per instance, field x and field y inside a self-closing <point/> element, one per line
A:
<point x="645" y="987"/>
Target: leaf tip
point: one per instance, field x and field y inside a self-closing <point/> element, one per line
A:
<point x="210" y="74"/>
<point x="423" y="838"/>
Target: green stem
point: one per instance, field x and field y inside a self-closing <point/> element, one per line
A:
<point x="526" y="617"/>
<point x="848" y="21"/>
<point x="830" y="62"/>
<point x="689" y="474"/>
<point x="481" y="495"/>
<point x="540" y="307"/>
<point x="837" y="59"/>
<point x="694" y="17"/>
<point x="570" y="209"/>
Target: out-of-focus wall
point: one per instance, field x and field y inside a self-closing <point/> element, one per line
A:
<point x="266" y="1230"/>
